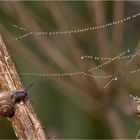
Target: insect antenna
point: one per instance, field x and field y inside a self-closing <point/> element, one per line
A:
<point x="26" y="89"/>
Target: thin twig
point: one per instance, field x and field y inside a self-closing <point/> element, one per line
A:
<point x="25" y="122"/>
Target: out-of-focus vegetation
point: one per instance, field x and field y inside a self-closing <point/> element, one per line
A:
<point x="75" y="106"/>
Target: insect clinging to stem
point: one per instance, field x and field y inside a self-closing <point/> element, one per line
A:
<point x="8" y="101"/>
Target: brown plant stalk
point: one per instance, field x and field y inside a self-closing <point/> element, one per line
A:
<point x="25" y="121"/>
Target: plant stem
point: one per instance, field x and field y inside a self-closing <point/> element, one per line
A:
<point x="25" y="121"/>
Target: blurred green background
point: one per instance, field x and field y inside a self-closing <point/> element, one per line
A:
<point x="75" y="106"/>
